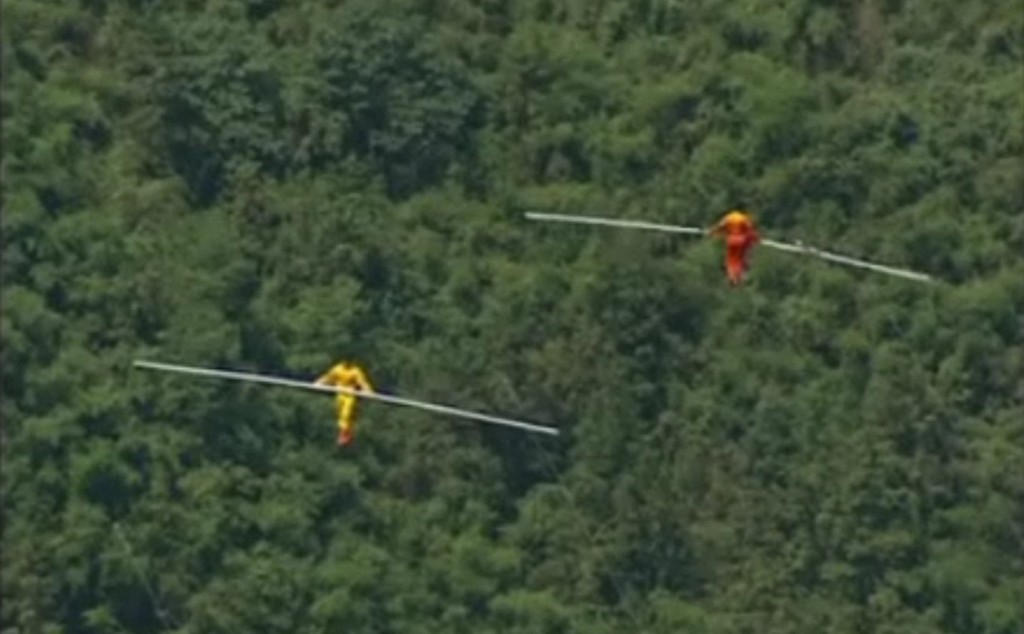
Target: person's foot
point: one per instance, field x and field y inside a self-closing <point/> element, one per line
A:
<point x="344" y="438"/>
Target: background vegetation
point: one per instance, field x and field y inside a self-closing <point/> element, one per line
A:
<point x="273" y="185"/>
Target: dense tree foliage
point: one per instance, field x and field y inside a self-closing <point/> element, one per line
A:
<point x="274" y="185"/>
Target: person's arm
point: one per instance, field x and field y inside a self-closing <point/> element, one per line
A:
<point x="327" y="378"/>
<point x="362" y="381"/>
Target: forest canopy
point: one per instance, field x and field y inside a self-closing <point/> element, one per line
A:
<point x="272" y="186"/>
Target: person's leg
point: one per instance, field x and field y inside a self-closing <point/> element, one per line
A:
<point x="735" y="263"/>
<point x="346" y="419"/>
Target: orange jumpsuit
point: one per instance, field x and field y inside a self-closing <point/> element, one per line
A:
<point x="740" y="235"/>
<point x="347" y="375"/>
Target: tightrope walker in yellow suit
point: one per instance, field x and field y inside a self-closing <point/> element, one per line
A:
<point x="351" y="376"/>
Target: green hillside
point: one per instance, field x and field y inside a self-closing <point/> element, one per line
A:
<point x="271" y="186"/>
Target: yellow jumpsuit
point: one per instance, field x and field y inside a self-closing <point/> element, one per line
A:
<point x="351" y="376"/>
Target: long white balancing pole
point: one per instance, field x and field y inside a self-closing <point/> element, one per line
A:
<point x="842" y="259"/>
<point x="774" y="244"/>
<point x="615" y="222"/>
<point x="333" y="389"/>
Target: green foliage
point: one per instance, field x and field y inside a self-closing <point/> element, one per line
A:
<point x="275" y="185"/>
